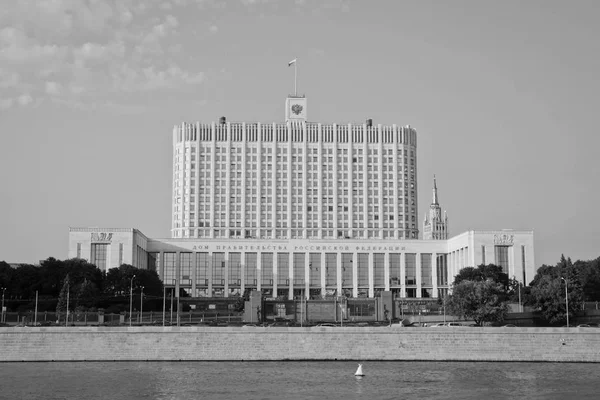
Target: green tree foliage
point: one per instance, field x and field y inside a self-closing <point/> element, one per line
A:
<point x="482" y="273"/>
<point x="86" y="296"/>
<point x="118" y="281"/>
<point x="548" y="291"/>
<point x="6" y="274"/>
<point x="590" y="278"/>
<point x="64" y="298"/>
<point x="480" y="300"/>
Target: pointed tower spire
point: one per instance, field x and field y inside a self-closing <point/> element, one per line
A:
<point x="435" y="227"/>
<point x="435" y="194"/>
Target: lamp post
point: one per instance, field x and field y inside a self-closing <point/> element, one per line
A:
<point x="142" y="305"/>
<point x="566" y="299"/>
<point x="520" y="304"/>
<point x="131" y="298"/>
<point x="164" y="303"/>
<point x="2" y="319"/>
<point x="519" y="284"/>
<point x="68" y="292"/>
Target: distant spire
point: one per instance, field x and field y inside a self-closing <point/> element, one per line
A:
<point x="435" y="195"/>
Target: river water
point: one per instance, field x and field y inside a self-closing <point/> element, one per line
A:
<point x="297" y="380"/>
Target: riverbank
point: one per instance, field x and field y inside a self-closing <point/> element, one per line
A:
<point x="394" y="343"/>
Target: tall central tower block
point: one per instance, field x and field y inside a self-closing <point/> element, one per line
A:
<point x="294" y="180"/>
<point x="435" y="226"/>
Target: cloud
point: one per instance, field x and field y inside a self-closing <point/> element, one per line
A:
<point x="73" y="51"/>
<point x="6" y="103"/>
<point x="8" y="78"/>
<point x="24" y="99"/>
<point x="53" y="88"/>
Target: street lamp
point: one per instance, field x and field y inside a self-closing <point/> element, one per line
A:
<point x="566" y="299"/>
<point x="3" y="290"/>
<point x="141" y="305"/>
<point x="131" y="298"/>
<point x="519" y="283"/>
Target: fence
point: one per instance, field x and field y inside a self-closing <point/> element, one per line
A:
<point x="137" y="318"/>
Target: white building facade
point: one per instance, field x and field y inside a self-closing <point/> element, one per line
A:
<point x="308" y="267"/>
<point x="302" y="209"/>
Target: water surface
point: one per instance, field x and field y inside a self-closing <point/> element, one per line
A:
<point x="297" y="380"/>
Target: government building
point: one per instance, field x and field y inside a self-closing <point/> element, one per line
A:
<point x="302" y="209"/>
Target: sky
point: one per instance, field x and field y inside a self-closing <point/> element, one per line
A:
<point x="503" y="95"/>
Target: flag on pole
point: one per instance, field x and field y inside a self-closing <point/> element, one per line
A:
<point x="292" y="62"/>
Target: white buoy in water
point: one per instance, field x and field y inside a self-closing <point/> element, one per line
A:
<point x="359" y="371"/>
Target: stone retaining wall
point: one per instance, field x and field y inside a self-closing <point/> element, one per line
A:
<point x="315" y="343"/>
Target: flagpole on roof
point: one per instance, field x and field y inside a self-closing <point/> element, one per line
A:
<point x="294" y="61"/>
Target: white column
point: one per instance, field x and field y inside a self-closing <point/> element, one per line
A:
<point x="403" y="274"/>
<point x="338" y="262"/>
<point x="258" y="271"/>
<point x="418" y="267"/>
<point x="243" y="272"/>
<point x="323" y="276"/>
<point x="371" y="265"/>
<point x="386" y="270"/>
<point x="434" y="279"/>
<point x="354" y="275"/>
<point x="291" y="275"/>
<point x="275" y="271"/>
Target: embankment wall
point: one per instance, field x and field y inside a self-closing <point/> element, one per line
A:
<point x="314" y="343"/>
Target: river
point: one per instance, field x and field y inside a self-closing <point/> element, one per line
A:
<point x="297" y="380"/>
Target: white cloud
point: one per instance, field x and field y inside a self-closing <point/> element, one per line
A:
<point x="24" y="99"/>
<point x="6" y="103"/>
<point x="8" y="78"/>
<point x="53" y="88"/>
<point x="74" y="51"/>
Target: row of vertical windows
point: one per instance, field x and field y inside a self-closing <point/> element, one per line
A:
<point x="235" y="132"/>
<point x="218" y="269"/>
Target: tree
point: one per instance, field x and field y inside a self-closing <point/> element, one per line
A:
<point x="86" y="296"/>
<point x="547" y="294"/>
<point x="481" y="273"/>
<point x="590" y="278"/>
<point x="480" y="301"/>
<point x="118" y="281"/>
<point x="64" y="294"/>
<point x="548" y="290"/>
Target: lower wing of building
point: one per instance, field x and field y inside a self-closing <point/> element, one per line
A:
<point x="308" y="268"/>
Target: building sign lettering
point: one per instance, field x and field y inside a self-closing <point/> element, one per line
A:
<point x="285" y="247"/>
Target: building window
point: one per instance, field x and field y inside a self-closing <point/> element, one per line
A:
<point x="411" y="269"/>
<point x="99" y="255"/>
<point x="426" y="269"/>
<point x="266" y="266"/>
<point x="120" y="254"/>
<point x="250" y="270"/>
<point x="483" y="254"/>
<point x="169" y="274"/>
<point x="379" y="270"/>
<point x="501" y="255"/>
<point x="186" y="268"/>
<point x="78" y="250"/>
<point x="363" y="270"/>
<point x="283" y="269"/>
